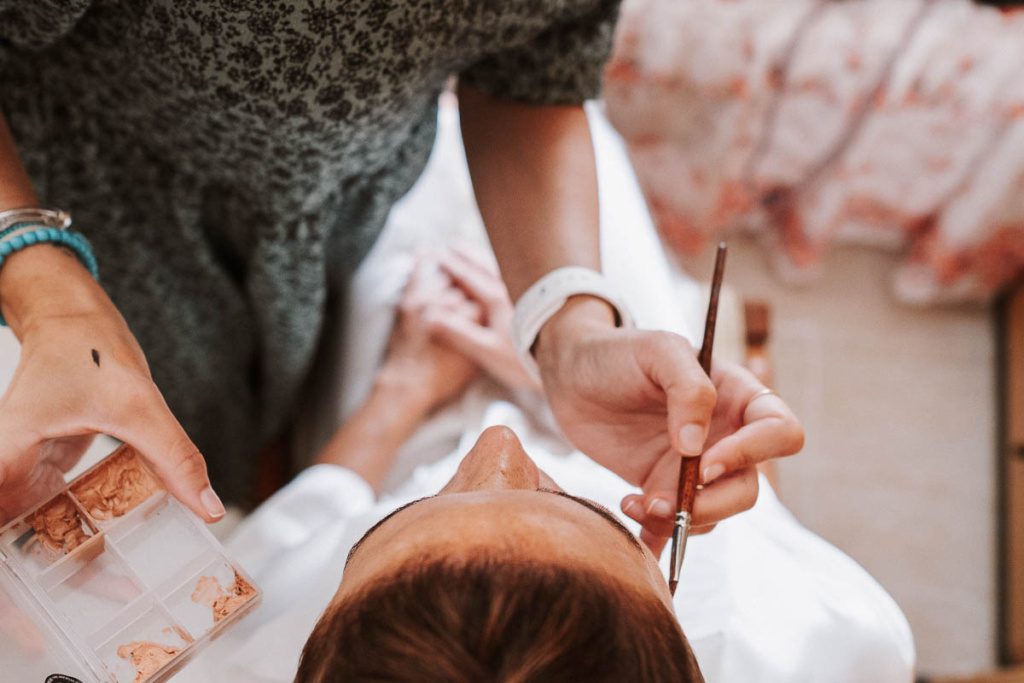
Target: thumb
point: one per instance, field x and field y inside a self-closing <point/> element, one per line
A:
<point x="670" y="362"/>
<point x="163" y="443"/>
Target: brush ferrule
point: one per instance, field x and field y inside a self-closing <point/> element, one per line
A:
<point x="679" y="533"/>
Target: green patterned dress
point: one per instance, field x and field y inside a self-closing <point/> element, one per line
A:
<point x="233" y="161"/>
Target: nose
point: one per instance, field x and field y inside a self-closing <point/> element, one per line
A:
<point x="496" y="461"/>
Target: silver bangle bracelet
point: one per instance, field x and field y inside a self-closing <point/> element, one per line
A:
<point x="50" y="218"/>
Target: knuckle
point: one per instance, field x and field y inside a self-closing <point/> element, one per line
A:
<point x="701" y="394"/>
<point x="743" y="457"/>
<point x="185" y="459"/>
<point x="667" y="342"/>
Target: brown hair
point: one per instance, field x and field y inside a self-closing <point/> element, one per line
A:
<point x="488" y="620"/>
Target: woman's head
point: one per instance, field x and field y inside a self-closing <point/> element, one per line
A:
<point x="501" y="576"/>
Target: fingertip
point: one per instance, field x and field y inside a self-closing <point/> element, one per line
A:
<point x="632" y="507"/>
<point x="691" y="439"/>
<point x="659" y="507"/>
<point x="212" y="504"/>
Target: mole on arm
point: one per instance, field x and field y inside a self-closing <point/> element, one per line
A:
<point x="96" y="357"/>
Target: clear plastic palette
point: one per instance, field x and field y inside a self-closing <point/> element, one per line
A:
<point x="113" y="592"/>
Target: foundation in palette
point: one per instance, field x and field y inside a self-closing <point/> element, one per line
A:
<point x="112" y="580"/>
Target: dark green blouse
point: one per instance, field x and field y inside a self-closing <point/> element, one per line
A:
<point x="233" y="161"/>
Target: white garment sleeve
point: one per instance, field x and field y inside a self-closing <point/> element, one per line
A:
<point x="318" y="497"/>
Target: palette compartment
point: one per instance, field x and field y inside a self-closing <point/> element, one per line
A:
<point x="46" y="536"/>
<point x="210" y="595"/>
<point x="91" y="594"/>
<point x="84" y="586"/>
<point x="149" y="539"/>
<point x="147" y="642"/>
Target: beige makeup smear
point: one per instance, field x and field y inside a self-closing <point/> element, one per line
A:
<point x="116" y="486"/>
<point x="58" y="526"/>
<point x="147" y="657"/>
<point x="209" y="592"/>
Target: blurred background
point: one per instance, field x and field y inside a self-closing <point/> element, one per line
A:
<point x="865" y="159"/>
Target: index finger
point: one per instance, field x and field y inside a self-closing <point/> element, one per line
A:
<point x="771" y="430"/>
<point x="669" y="361"/>
<point x="144" y="421"/>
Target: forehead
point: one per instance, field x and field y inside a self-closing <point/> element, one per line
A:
<point x="525" y="524"/>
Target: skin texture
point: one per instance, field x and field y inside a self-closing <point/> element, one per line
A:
<point x="500" y="501"/>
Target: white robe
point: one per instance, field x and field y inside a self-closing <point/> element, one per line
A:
<point x="761" y="598"/>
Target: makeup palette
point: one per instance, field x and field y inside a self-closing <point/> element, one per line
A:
<point x="113" y="580"/>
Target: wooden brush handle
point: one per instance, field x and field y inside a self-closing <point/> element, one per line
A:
<point x="689" y="469"/>
<point x="689" y="477"/>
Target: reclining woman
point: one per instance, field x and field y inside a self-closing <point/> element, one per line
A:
<point x="496" y="574"/>
<point x="501" y="576"/>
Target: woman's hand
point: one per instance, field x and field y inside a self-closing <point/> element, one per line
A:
<point x="419" y="373"/>
<point x="638" y="401"/>
<point x="488" y="339"/>
<point x="81" y="373"/>
<point x="422" y="365"/>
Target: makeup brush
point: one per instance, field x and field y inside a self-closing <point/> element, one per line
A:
<point x="689" y="468"/>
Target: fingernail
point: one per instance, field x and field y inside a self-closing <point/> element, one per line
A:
<point x="713" y="472"/>
<point x="660" y="507"/>
<point x="211" y="503"/>
<point x="629" y="507"/>
<point x="691" y="439"/>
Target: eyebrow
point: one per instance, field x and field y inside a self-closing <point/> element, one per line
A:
<point x="589" y="504"/>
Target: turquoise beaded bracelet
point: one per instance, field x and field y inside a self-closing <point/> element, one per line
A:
<point x="43" y="235"/>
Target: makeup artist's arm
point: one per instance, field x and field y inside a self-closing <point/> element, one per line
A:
<point x="635" y="401"/>
<point x="417" y="376"/>
<point x="62" y="394"/>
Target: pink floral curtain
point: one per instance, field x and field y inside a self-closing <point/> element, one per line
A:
<point x="898" y="123"/>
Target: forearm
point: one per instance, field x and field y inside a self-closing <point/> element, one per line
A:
<point x="535" y="181"/>
<point x="369" y="441"/>
<point x="15" y="188"/>
<point x="44" y="280"/>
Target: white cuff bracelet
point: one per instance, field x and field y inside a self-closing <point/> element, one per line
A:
<point x="547" y="296"/>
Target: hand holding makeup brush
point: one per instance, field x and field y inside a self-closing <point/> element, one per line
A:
<point x="634" y="400"/>
<point x="748" y="426"/>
